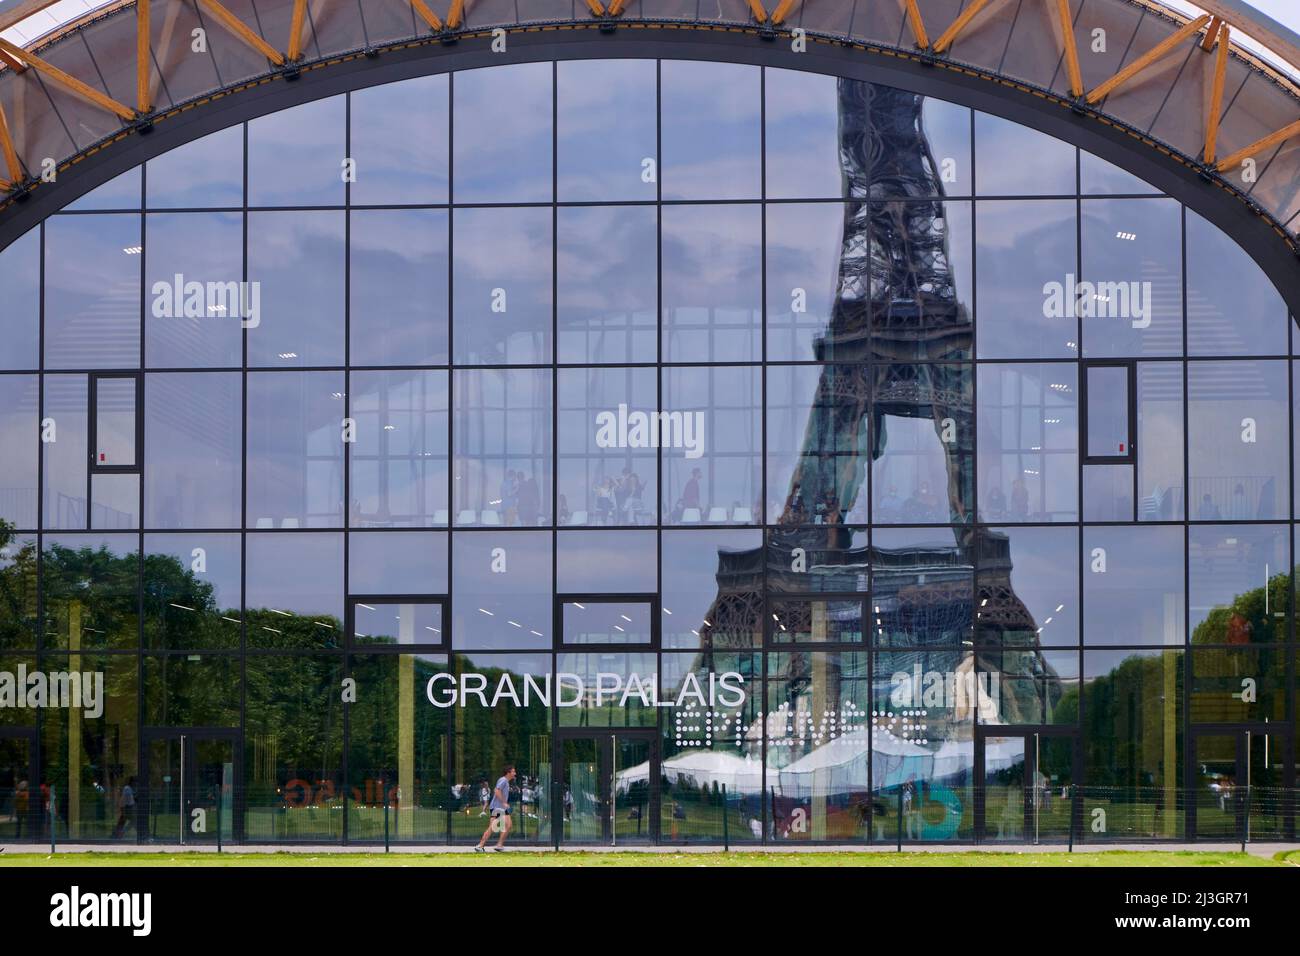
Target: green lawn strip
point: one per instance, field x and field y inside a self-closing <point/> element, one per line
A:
<point x="1111" y="858"/>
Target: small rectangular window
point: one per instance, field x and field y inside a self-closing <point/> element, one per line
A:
<point x="115" y="422"/>
<point x="1108" y="413"/>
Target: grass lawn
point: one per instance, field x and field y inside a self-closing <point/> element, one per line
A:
<point x="1116" y="858"/>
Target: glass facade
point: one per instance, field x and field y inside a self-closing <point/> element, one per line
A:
<point x="741" y="454"/>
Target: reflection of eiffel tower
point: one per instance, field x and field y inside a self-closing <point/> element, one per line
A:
<point x="895" y="323"/>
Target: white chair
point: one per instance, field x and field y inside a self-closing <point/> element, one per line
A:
<point x="690" y="516"/>
<point x="578" y="517"/>
<point x="440" y="516"/>
<point x="717" y="515"/>
<point x="492" y="518"/>
<point x="743" y="516"/>
<point x="265" y="523"/>
<point x="289" y="523"/>
<point x="466" y="517"/>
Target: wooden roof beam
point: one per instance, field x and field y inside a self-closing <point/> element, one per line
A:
<point x="68" y="81"/>
<point x="963" y="20"/>
<point x="917" y="24"/>
<point x="1216" y="96"/>
<point x="1071" y="47"/>
<point x="1150" y="58"/>
<point x="241" y="30"/>
<point x="429" y="17"/>
<point x="1269" y="141"/>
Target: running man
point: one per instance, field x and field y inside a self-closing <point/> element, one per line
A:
<point x="500" y="811"/>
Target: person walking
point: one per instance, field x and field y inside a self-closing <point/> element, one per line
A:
<point x="500" y="811"/>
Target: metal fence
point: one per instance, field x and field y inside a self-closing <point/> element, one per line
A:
<point x="1057" y="815"/>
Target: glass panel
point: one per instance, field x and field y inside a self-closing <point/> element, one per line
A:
<point x="585" y="812"/>
<point x="922" y="743"/>
<point x="120" y="192"/>
<point x="295" y="156"/>
<point x="20" y="437"/>
<point x="607" y="688"/>
<point x="1028" y="587"/>
<point x="606" y="130"/>
<point x="408" y="562"/>
<point x="1219" y="791"/>
<point x="1131" y="297"/>
<point x="924" y="468"/>
<point x="294" y="590"/>
<point x="90" y="591"/>
<point x="191" y="690"/>
<point x="399" y="142"/>
<point x="1133" y="586"/>
<point x="209" y="786"/>
<point x="297" y="260"/>
<point x="1240" y="581"/>
<point x="399" y="462"/>
<point x="804" y="117"/>
<point x="1237" y="684"/>
<point x="1022" y="249"/>
<point x="807" y="308"/>
<point x="925" y="143"/>
<point x="607" y="285"/>
<point x="711" y="581"/>
<point x="398" y="765"/>
<point x="502" y="305"/>
<point x="1232" y="307"/>
<point x="1030" y="686"/>
<point x="630" y="790"/>
<point x="115" y="421"/>
<point x="164" y="803"/>
<point x="503" y="452"/>
<point x="712" y="461"/>
<point x="115" y="501"/>
<point x="193" y="446"/>
<point x="1052" y="799"/>
<point x="817" y="622"/>
<point x="610" y="562"/>
<point x="712" y="283"/>
<point x="1160" y="441"/>
<point x="392" y="624"/>
<point x="1000" y="168"/>
<point x="603" y="622"/>
<point x="207" y="173"/>
<point x="1266" y="759"/>
<point x="710" y="130"/>
<point x="194" y="270"/>
<point x="398" y="291"/>
<point x="1100" y="177"/>
<point x="92" y="291"/>
<point x="1108" y="412"/>
<point x="67" y="402"/>
<point x="20" y="277"/>
<point x="18" y="611"/>
<point x="608" y="446"/>
<point x="1132" y="737"/>
<point x="502" y="134"/>
<point x="818" y="560"/>
<point x="818" y="753"/>
<point x="192" y="591"/>
<point x="1237" y="440"/>
<point x="17" y="807"/>
<point x="295" y="449"/>
<point x="1107" y="492"/>
<point x="922" y="587"/>
<point x="502" y="583"/>
<point x="293" y="748"/>
<point x="1028" y="440"/>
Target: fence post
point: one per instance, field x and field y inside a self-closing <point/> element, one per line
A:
<point x="1074" y="807"/>
<point x="53" y="819"/>
<point x="1245" y="822"/>
<point x="900" y="819"/>
<point x="385" y="818"/>
<point x="221" y="798"/>
<point x="557" y="821"/>
<point x="726" y="833"/>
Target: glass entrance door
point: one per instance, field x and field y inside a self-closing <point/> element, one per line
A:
<point x="1239" y="784"/>
<point x="191" y="785"/>
<point x="606" y="783"/>
<point x="1028" y="780"/>
<point x="20" y="800"/>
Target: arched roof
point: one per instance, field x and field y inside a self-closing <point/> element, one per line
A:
<point x="78" y="75"/>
